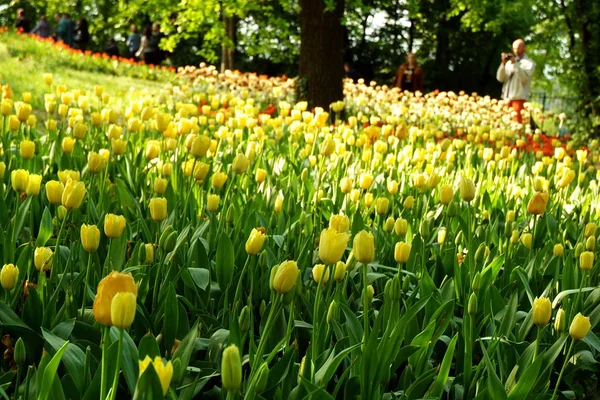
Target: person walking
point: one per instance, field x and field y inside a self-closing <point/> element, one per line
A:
<point x="409" y="75"/>
<point x="145" y="51"/>
<point x="133" y="41"/>
<point x="515" y="73"/>
<point x="22" y="22"/>
<point x="82" y="34"/>
<point x="64" y="30"/>
<point x="42" y="28"/>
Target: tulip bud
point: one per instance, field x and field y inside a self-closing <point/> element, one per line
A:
<point x="90" y="237"/>
<point x="73" y="194"/>
<point x="20" y="353"/>
<point x="406" y="284"/>
<point x="262" y="377"/>
<point x="9" y="276"/>
<point x="472" y="308"/>
<point x="580" y="326"/>
<point x="340" y="271"/>
<point x="231" y="369"/>
<point x="19" y="180"/>
<point x="370" y="292"/>
<point x="262" y="308"/>
<point x="244" y="319"/>
<point x="332" y="245"/>
<point x="560" y="322"/>
<point x="402" y="252"/>
<point x="160" y="185"/>
<point x="586" y="260"/>
<point x="27" y="148"/>
<point x="213" y="202"/>
<point x="510" y="216"/>
<point x="476" y="284"/>
<point x="424" y="229"/>
<point x="158" y="209"/>
<point x="542" y="311"/>
<point x="452" y="209"/>
<point x="446" y="194"/>
<point x="401" y="226"/>
<point x="388" y="226"/>
<point x="526" y="240"/>
<point x="284" y="277"/>
<point x="346" y="185"/>
<point x="218" y="180"/>
<point x="332" y="312"/>
<point x="364" y="247"/>
<point x="149" y="253"/>
<point x="590" y="229"/>
<point x="590" y="243"/>
<point x="240" y="164"/>
<point x="480" y="253"/>
<point x="393" y="289"/>
<point x="408" y="202"/>
<point x="459" y="238"/>
<point x="382" y="205"/>
<point x="122" y="309"/>
<point x="467" y="189"/>
<point x="558" y="250"/>
<point x="580" y="248"/>
<point x="114" y="225"/>
<point x="42" y="257"/>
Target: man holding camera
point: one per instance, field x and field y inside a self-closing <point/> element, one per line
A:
<point x="515" y="74"/>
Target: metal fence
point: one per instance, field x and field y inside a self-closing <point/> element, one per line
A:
<point x="553" y="103"/>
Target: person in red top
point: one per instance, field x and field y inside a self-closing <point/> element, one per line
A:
<point x="409" y="75"/>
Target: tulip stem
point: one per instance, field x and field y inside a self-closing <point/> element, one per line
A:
<point x="562" y="370"/>
<point x="239" y="285"/>
<point x="116" y="378"/>
<point x="537" y="343"/>
<point x="265" y="335"/>
<point x="87" y="282"/>
<point x="365" y="304"/>
<point x="104" y="376"/>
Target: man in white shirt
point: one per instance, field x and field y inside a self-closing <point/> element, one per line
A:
<point x="515" y="74"/>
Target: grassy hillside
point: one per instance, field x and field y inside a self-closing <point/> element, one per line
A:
<point x="24" y="61"/>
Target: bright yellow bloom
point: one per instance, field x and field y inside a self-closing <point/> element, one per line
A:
<point x="27" y="149"/>
<point x="160" y="185"/>
<point x="558" y="250"/>
<point x="332" y="244"/>
<point x="73" y="194"/>
<point x="219" y="179"/>
<point x="122" y="309"/>
<point x="114" y="225"/>
<point x="90" y="237"/>
<point x="260" y="175"/>
<point x="340" y="223"/>
<point x="158" y="208"/>
<point x="320" y="274"/>
<point x="340" y="271"/>
<point x="213" y="202"/>
<point x="9" y="276"/>
<point x="42" y="257"/>
<point x="285" y="277"/>
<point x="96" y="162"/>
<point x="446" y="194"/>
<point x="364" y="247"/>
<point x="586" y="260"/>
<point x="164" y="371"/>
<point x="240" y="164"/>
<point x="537" y="204"/>
<point x="33" y="185"/>
<point x="467" y="189"/>
<point x="255" y="241"/>
<point x="579" y="327"/>
<point x="68" y="144"/>
<point x="402" y="252"/>
<point x="231" y="369"/>
<point x="19" y="179"/>
<point x="382" y="205"/>
<point x="108" y="288"/>
<point x="54" y="191"/>
<point x="542" y="311"/>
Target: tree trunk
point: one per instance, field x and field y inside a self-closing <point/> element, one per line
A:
<point x="321" y="53"/>
<point x="230" y="42"/>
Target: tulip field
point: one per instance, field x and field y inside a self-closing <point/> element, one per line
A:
<point x="216" y="238"/>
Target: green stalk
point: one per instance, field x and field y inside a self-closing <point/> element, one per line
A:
<point x="87" y="282"/>
<point x="365" y="305"/>
<point x="562" y="370"/>
<point x="104" y="376"/>
<point x="263" y="339"/>
<point x="116" y="378"/>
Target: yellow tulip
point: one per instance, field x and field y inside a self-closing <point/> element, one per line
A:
<point x="231" y="369"/>
<point x="213" y="202"/>
<point x="446" y="194"/>
<point x="149" y="250"/>
<point x="122" y="309"/>
<point x="73" y="194"/>
<point x="365" y="181"/>
<point x="332" y="244"/>
<point x="255" y="241"/>
<point x="401" y="226"/>
<point x="68" y="144"/>
<point x="65" y="175"/>
<point x="467" y="189"/>
<point x="160" y="185"/>
<point x="542" y="311"/>
<point x="90" y="237"/>
<point x="219" y="179"/>
<point x="402" y="252"/>
<point x="9" y="276"/>
<point x="42" y="257"/>
<point x="558" y="250"/>
<point x="382" y="205"/>
<point x="33" y="185"/>
<point x="96" y="162"/>
<point x="19" y="179"/>
<point x="108" y="288"/>
<point x="285" y="276"/>
<point x="13" y="123"/>
<point x="537" y="204"/>
<point x="158" y="208"/>
<point x="114" y="225"/>
<point x="364" y="247"/>
<point x="579" y="327"/>
<point x="340" y="271"/>
<point x="408" y="202"/>
<point x="118" y="146"/>
<point x="240" y="164"/>
<point x="260" y="175"/>
<point x="199" y="146"/>
<point x="320" y="274"/>
<point x="526" y="239"/>
<point x="340" y="223"/>
<point x="27" y="148"/>
<point x="346" y="185"/>
<point x="54" y="191"/>
<point x="152" y="149"/>
<point x="164" y="371"/>
<point x="586" y="260"/>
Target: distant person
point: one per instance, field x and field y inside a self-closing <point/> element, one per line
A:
<point x="64" y="30"/>
<point x="82" y="34"/>
<point x="515" y="73"/>
<point x="153" y="43"/>
<point x="350" y="72"/>
<point x="409" y="75"/>
<point x="42" y="28"/>
<point x="133" y="41"/>
<point x="22" y="22"/>
<point x="111" y="48"/>
<point x="145" y="51"/>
